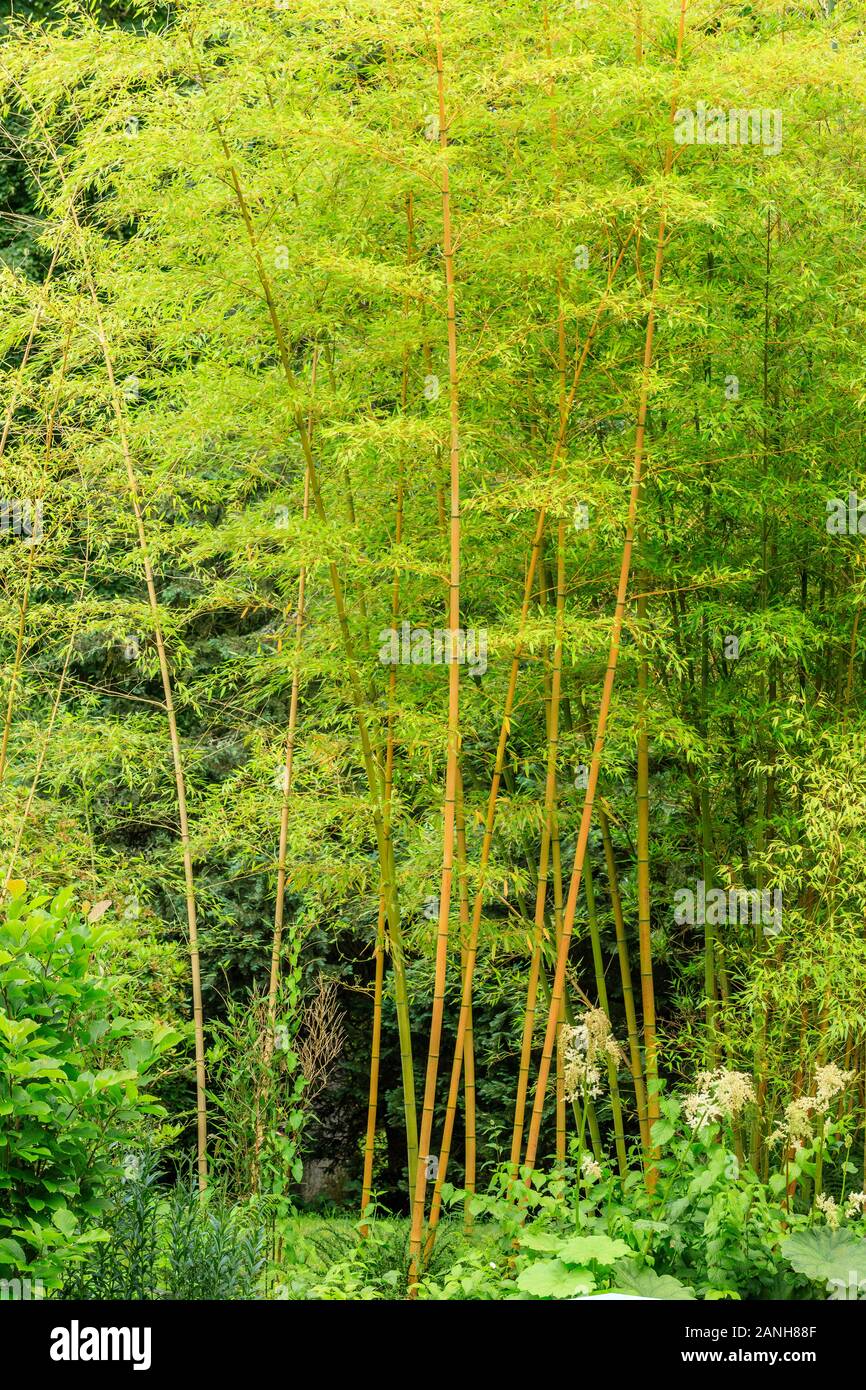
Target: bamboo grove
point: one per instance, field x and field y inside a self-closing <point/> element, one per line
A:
<point x="439" y="444"/>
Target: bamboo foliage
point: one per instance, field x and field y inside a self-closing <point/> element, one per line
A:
<point x="598" y="747"/>
<point x="548" y="833"/>
<point x="159" y="641"/>
<point x="286" y="241"/>
<point x="451" y="769"/>
<point x="373" y="775"/>
<point x="499" y="767"/>
<point x="7" y="423"/>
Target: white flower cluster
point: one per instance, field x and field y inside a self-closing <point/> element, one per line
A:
<point x="590" y="1169"/>
<point x="718" y="1095"/>
<point x="586" y="1047"/>
<point x="856" y="1204"/>
<point x="796" y="1127"/>
<point x="827" y="1204"/>
<point x="830" y="1081"/>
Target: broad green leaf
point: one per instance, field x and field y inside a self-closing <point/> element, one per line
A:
<point x="646" y="1283"/>
<point x="65" y="1221"/>
<point x="826" y="1255"/>
<point x="553" y="1279"/>
<point x="540" y="1240"/>
<point x="599" y="1248"/>
<point x="12" y="1253"/>
<point x="662" y="1131"/>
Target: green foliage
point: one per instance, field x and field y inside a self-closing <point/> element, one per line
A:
<point x="72" y="1078"/>
<point x="335" y="1262"/>
<point x="710" y="1229"/>
<point x="645" y="1283"/>
<point x="123" y="147"/>
<point x="155" y="1244"/>
<point x="827" y="1256"/>
<point x="258" y="1110"/>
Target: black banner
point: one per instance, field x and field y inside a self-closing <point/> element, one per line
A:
<point x="83" y="1341"/>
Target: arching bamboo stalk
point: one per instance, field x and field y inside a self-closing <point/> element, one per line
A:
<point x="601" y="991"/>
<point x="375" y="1060"/>
<point x="379" y="955"/>
<point x="280" y="899"/>
<point x="544" y="858"/>
<point x="635" y="1064"/>
<point x="449" y="808"/>
<point x="463" y="906"/>
<point x="498" y="769"/>
<point x="288" y="772"/>
<point x="174" y="736"/>
<point x="153" y="602"/>
<point x="469" y="1044"/>
<point x="634" y="1052"/>
<point x="607" y="690"/>
<point x="643" y="898"/>
<point x="378" y="984"/>
<point x="556" y="857"/>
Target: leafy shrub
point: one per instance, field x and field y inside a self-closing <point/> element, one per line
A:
<point x="71" y="1073"/>
<point x="337" y="1263"/>
<point x="257" y="1101"/>
<point x="707" y="1227"/>
<point x="174" y="1243"/>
